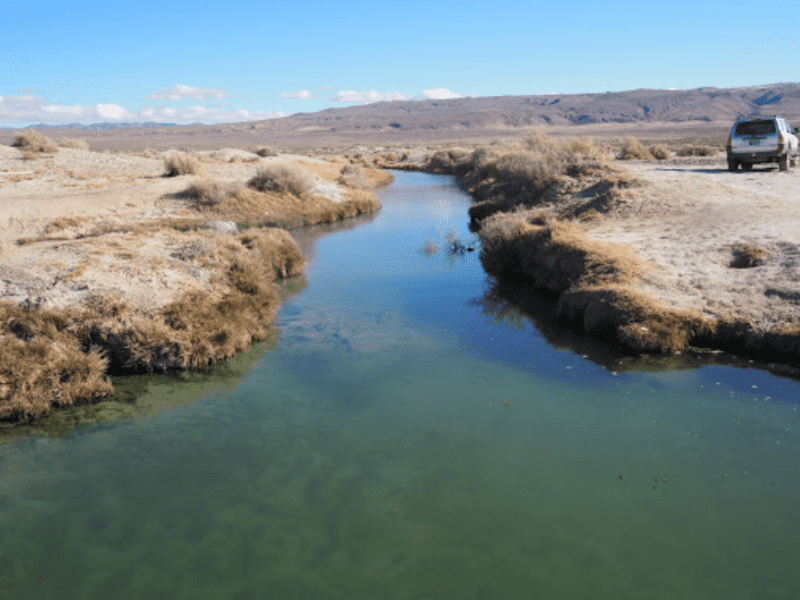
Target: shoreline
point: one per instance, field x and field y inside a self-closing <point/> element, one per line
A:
<point x="109" y="266"/>
<point x="655" y="257"/>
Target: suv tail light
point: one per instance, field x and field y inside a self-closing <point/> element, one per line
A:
<point x="729" y="144"/>
<point x="781" y="141"/>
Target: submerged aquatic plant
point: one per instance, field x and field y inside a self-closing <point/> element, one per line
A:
<point x="430" y="247"/>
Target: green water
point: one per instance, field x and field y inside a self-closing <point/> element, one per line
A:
<point x="405" y="438"/>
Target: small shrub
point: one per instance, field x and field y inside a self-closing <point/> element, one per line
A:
<point x="747" y="256"/>
<point x="210" y="192"/>
<point x="631" y="148"/>
<point x="181" y="164"/>
<point x="660" y="152"/>
<point x="446" y="161"/>
<point x="74" y="143"/>
<point x="237" y="159"/>
<point x="31" y="140"/>
<point x="700" y="150"/>
<point x="29" y="155"/>
<point x="265" y="151"/>
<point x="283" y="178"/>
<point x="353" y="176"/>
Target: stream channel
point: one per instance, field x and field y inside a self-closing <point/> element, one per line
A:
<point x="407" y="436"/>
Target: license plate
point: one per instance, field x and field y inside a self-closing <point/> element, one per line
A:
<point x="754" y="142"/>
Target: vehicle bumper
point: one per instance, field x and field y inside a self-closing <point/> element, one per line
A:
<point x="756" y="157"/>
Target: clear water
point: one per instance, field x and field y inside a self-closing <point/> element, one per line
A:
<point x="402" y="440"/>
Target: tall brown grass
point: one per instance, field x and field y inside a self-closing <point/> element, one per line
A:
<point x="283" y="178"/>
<point x="74" y="143"/>
<point x="265" y="151"/>
<point x="210" y="192"/>
<point x="697" y="150"/>
<point x="500" y="180"/>
<point x="31" y="140"/>
<point x="353" y="176"/>
<point x="630" y="148"/>
<point x="181" y="164"/>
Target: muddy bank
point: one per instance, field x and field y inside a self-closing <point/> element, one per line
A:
<point x="653" y="256"/>
<point x="108" y="265"/>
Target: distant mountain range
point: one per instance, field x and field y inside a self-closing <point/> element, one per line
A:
<point x="708" y="109"/>
<point x="502" y="112"/>
<point x="104" y="125"/>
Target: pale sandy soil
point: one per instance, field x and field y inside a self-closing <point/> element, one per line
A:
<point x="684" y="220"/>
<point x="80" y="223"/>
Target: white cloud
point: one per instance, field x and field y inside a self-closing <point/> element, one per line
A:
<point x="352" y="97"/>
<point x="438" y="94"/>
<point x="111" y="111"/>
<point x="301" y="95"/>
<point x="24" y="110"/>
<point x="180" y="91"/>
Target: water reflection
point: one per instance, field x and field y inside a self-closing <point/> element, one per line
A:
<point x="515" y="303"/>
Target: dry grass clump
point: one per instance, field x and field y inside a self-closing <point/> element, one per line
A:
<point x="275" y="247"/>
<point x="238" y="159"/>
<point x="747" y="256"/>
<point x="353" y="176"/>
<point x="446" y="161"/>
<point x="265" y="151"/>
<point x="283" y="178"/>
<point x="550" y="253"/>
<point x="74" y="143"/>
<point x="210" y="192"/>
<point x="697" y="150"/>
<point x="181" y="164"/>
<point x="631" y="148"/>
<point x="660" y="152"/>
<point x="43" y="363"/>
<point x="531" y="176"/>
<point x="31" y="140"/>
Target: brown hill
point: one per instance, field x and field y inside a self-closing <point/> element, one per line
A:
<point x="703" y="104"/>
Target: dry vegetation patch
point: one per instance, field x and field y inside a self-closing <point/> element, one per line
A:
<point x="74" y="143"/>
<point x="747" y="256"/>
<point x="631" y="148"/>
<point x="210" y="192"/>
<point x="31" y="141"/>
<point x="283" y="178"/>
<point x="181" y="164"/>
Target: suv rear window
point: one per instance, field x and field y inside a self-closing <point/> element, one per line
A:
<point x="755" y="128"/>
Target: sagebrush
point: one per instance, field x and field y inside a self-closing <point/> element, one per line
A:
<point x="31" y="140"/>
<point x="210" y="192"/>
<point x="283" y="178"/>
<point x="181" y="164"/>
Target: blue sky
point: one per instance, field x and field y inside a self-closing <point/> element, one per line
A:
<point x="180" y="61"/>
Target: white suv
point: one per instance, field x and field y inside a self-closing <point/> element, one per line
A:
<point x="761" y="140"/>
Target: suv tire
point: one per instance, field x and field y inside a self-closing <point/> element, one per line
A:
<point x="747" y="166"/>
<point x="733" y="164"/>
<point x="783" y="162"/>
